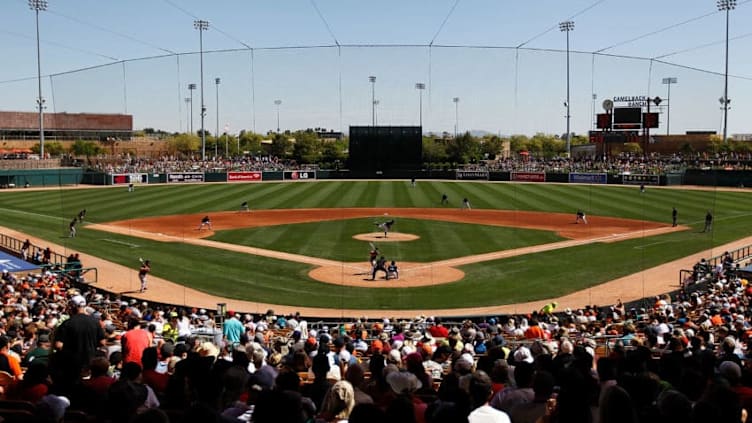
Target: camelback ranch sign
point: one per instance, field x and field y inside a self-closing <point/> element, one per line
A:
<point x="632" y="100"/>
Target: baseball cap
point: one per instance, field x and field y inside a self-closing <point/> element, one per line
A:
<point x="77" y="301"/>
<point x="523" y="354"/>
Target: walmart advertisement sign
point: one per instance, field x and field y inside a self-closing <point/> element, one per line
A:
<point x="14" y="264"/>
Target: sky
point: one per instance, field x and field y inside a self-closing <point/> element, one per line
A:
<point x="505" y="62"/>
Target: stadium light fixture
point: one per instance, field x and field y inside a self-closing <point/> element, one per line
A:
<point x="372" y="80"/>
<point x="36" y="6"/>
<point x="202" y="26"/>
<point x="726" y="6"/>
<point x="420" y="87"/>
<point x="568" y="26"/>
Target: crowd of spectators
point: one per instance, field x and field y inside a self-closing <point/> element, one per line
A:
<point x="653" y="164"/>
<point x="167" y="164"/>
<point x="684" y="358"/>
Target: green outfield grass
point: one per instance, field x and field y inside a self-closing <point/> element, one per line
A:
<point x="438" y="240"/>
<point x="46" y="214"/>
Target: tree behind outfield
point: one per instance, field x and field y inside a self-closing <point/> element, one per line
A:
<point x="183" y="144"/>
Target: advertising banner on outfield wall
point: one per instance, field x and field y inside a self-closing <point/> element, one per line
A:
<point x="299" y="175"/>
<point x="244" y="176"/>
<point x="629" y="179"/>
<point x="185" y="177"/>
<point x="129" y="178"/>
<point x="528" y="177"/>
<point x="472" y="175"/>
<point x="588" y="178"/>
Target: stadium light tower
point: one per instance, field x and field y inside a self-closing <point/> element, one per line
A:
<point x="372" y="80"/>
<point x="277" y="103"/>
<point x="216" y="134"/>
<point x="191" y="87"/>
<point x="669" y="81"/>
<point x="36" y="6"/>
<point x="727" y="6"/>
<point x="568" y="26"/>
<point x="202" y="26"/>
<point x="420" y="87"/>
<point x="456" y="101"/>
<point x="376" y="112"/>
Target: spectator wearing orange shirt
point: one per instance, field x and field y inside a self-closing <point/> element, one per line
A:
<point x="8" y="362"/>
<point x="535" y="331"/>
<point x="134" y="342"/>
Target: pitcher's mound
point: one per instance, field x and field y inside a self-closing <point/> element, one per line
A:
<point x="411" y="275"/>
<point x="391" y="237"/>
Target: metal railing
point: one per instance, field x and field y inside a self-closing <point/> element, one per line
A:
<point x="58" y="262"/>
<point x="738" y="255"/>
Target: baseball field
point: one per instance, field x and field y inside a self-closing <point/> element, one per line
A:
<point x="298" y="246"/>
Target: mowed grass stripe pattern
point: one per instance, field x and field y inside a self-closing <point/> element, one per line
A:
<point x="439" y="240"/>
<point x="45" y="214"/>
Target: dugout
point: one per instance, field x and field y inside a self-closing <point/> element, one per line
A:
<point x="385" y="148"/>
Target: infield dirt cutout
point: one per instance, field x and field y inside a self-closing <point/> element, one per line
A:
<point x="183" y="228"/>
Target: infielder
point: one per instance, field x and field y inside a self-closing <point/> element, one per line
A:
<point x="466" y="204"/>
<point x="244" y="206"/>
<point x="580" y="217"/>
<point x="205" y="221"/>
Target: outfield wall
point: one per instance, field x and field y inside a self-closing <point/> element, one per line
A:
<point x="18" y="178"/>
<point x="310" y="175"/>
<point x="10" y="178"/>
